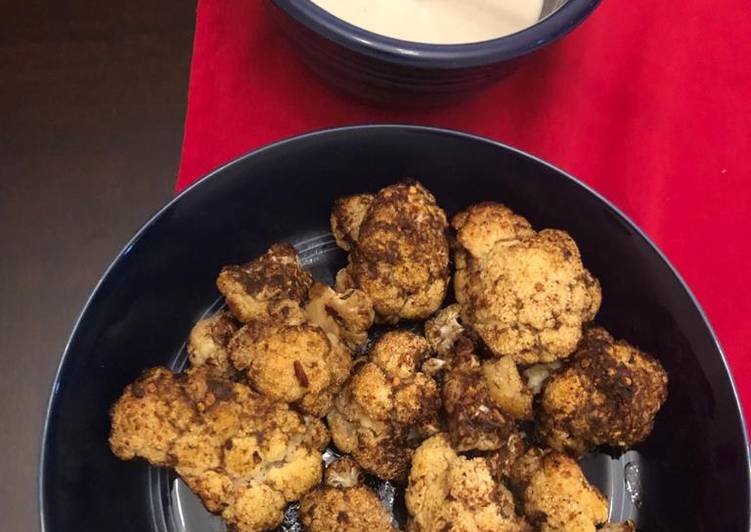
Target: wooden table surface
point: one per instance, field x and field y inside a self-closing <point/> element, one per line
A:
<point x="92" y="103"/>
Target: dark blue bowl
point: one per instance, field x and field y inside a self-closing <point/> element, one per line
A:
<point x="371" y="65"/>
<point x="693" y="470"/>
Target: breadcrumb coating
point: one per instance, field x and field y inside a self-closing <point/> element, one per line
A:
<point x="271" y="287"/>
<point x="399" y="254"/>
<point x="609" y="394"/>
<point x="555" y="495"/>
<point x="207" y="344"/>
<point x="387" y="407"/>
<point x="449" y="492"/>
<point x="245" y="456"/>
<point x="526" y="294"/>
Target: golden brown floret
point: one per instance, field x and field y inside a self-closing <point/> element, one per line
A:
<point x="474" y="420"/>
<point x="245" y="456"/>
<point x="207" y="345"/>
<point x="343" y="504"/>
<point x="609" y="394"/>
<point x="555" y="495"/>
<point x="346" y="218"/>
<point x="346" y="315"/>
<point x="448" y="492"/>
<point x="526" y="294"/>
<point x="506" y="387"/>
<point x="399" y="253"/>
<point x="386" y="407"/>
<point x="298" y="364"/>
<point x="271" y="287"/>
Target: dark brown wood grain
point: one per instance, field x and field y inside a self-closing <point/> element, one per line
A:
<point x="92" y="104"/>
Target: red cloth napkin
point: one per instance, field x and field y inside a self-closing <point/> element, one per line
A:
<point x="648" y="102"/>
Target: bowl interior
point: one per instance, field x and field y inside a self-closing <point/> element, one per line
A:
<point x="693" y="471"/>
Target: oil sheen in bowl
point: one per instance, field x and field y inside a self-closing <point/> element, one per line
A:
<point x="437" y="21"/>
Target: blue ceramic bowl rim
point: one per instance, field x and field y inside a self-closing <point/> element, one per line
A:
<point x="217" y="174"/>
<point x="439" y="56"/>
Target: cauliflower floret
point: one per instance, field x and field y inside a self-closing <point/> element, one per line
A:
<point x="502" y="460"/>
<point x="386" y="407"/>
<point x="448" y="492"/>
<point x="271" y="287"/>
<point x="348" y="315"/>
<point x="539" y="373"/>
<point x="399" y="353"/>
<point x="474" y="420"/>
<point x="399" y="254"/>
<point x="506" y="387"/>
<point x="609" y="394"/>
<point x="342" y="473"/>
<point x="443" y="330"/>
<point x="343" y="504"/>
<point x="207" y="345"/>
<point x="298" y="364"/>
<point x="246" y="457"/>
<point x="526" y="294"/>
<point x="555" y="495"/>
<point x="346" y="218"/>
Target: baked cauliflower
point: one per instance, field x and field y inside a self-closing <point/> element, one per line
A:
<point x="344" y="504"/>
<point x="449" y="492"/>
<point x="347" y="315"/>
<point x="245" y="456"/>
<point x="269" y="288"/>
<point x="555" y="495"/>
<point x="399" y="253"/>
<point x="475" y="420"/>
<point x="208" y="341"/>
<point x="525" y="293"/>
<point x="346" y="219"/>
<point x="298" y="364"/>
<point x="295" y="344"/>
<point x="608" y="394"/>
<point x="387" y="406"/>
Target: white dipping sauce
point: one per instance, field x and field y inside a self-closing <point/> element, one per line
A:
<point x="437" y="21"/>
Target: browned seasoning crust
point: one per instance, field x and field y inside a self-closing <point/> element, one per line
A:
<point x="270" y="287"/>
<point x="208" y="341"/>
<point x="296" y="341"/>
<point x="526" y="294"/>
<point x="608" y="394"/>
<point x="244" y="456"/>
<point x="248" y="449"/>
<point x="449" y="492"/>
<point x="555" y="496"/>
<point x="296" y="363"/>
<point x="344" y="504"/>
<point x="474" y="421"/>
<point x="386" y="407"/>
<point x="399" y="253"/>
